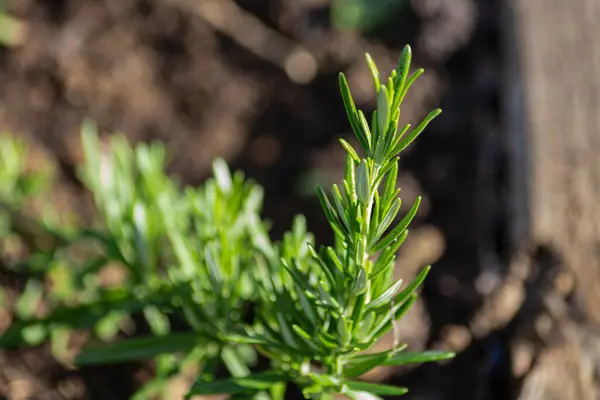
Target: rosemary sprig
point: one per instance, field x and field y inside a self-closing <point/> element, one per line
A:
<point x="338" y="301"/>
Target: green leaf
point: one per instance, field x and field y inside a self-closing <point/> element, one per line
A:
<point x="306" y="305"/>
<point x="59" y="342"/>
<point x="422" y="357"/>
<point x="235" y="365"/>
<point x="363" y="183"/>
<point x="351" y="112"/>
<point x="386" y="168"/>
<point x="390" y="183"/>
<point x="286" y="332"/>
<point x="399" y="135"/>
<point x="387" y="256"/>
<point x="366" y="131"/>
<point x="374" y="72"/>
<point x="307" y="339"/>
<point x="383" y="112"/>
<point x="361" y="364"/>
<point x="326" y="298"/>
<point x="415" y="75"/>
<point x="408" y="139"/>
<point x="222" y="175"/>
<point x="29" y="301"/>
<point x="388" y="218"/>
<point x="413" y="286"/>
<point x="135" y="349"/>
<point x="34" y="334"/>
<point x="334" y="258"/>
<point x="339" y="204"/>
<point x="84" y="316"/>
<point x="360" y="284"/>
<point x="358" y="395"/>
<point x="158" y="322"/>
<point x="364" y="327"/>
<point x="391" y="315"/>
<point x="330" y="212"/>
<point x="298" y="276"/>
<point x="403" y="66"/>
<point x="108" y="327"/>
<point x="214" y="272"/>
<point x="350" y="150"/>
<point x="256" y="382"/>
<point x="377" y="388"/>
<point x="399" y="229"/>
<point x="385" y="296"/>
<point x="350" y="180"/>
<point x="342" y="330"/>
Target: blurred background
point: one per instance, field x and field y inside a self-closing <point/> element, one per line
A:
<point x="255" y="82"/>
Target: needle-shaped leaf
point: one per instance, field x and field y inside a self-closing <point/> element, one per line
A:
<point x="403" y="67"/>
<point x="135" y="349"/>
<point x="334" y="258"/>
<point x="350" y="150"/>
<point x="286" y="332"/>
<point x="364" y="125"/>
<point x="383" y="111"/>
<point x="387" y="256"/>
<point x="326" y="298"/>
<point x="385" y="296"/>
<point x="390" y="183"/>
<point x="330" y="212"/>
<point x="413" y="77"/>
<point x="342" y="330"/>
<point x="408" y="139"/>
<point x="350" y="180"/>
<point x="307" y="306"/>
<point x="399" y="229"/>
<point x="374" y="72"/>
<point x="413" y="286"/>
<point x="360" y="284"/>
<point x="377" y="388"/>
<point x="298" y="276"/>
<point x="390" y="316"/>
<point x="388" y="218"/>
<point x="256" y="382"/>
<point x="214" y="272"/>
<point x="364" y="327"/>
<point x="416" y="358"/>
<point x="361" y="364"/>
<point x="83" y="316"/>
<point x="339" y="204"/>
<point x="398" y="136"/>
<point x="307" y="340"/>
<point x="363" y="183"/>
<point x="353" y="116"/>
<point x="222" y="175"/>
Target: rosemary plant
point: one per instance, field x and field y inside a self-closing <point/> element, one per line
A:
<point x="202" y="258"/>
<point x="325" y="307"/>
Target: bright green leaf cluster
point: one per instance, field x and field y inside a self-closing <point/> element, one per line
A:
<point x="203" y="256"/>
<point x="335" y="302"/>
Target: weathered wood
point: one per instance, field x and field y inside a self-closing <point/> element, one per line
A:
<point x="552" y="115"/>
<point x="559" y="57"/>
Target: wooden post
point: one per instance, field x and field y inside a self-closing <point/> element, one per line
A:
<point x="552" y="123"/>
<point x="555" y="144"/>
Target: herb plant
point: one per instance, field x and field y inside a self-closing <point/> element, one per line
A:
<point x="321" y="311"/>
<point x="215" y="291"/>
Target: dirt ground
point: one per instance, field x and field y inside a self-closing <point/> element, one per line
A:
<point x="255" y="82"/>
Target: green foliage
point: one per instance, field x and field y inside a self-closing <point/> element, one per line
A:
<point x="12" y="30"/>
<point x="203" y="256"/>
<point x="364" y="15"/>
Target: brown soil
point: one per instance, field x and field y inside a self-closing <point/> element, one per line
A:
<point x="172" y="70"/>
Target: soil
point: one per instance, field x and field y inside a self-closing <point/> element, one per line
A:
<point x="166" y="70"/>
